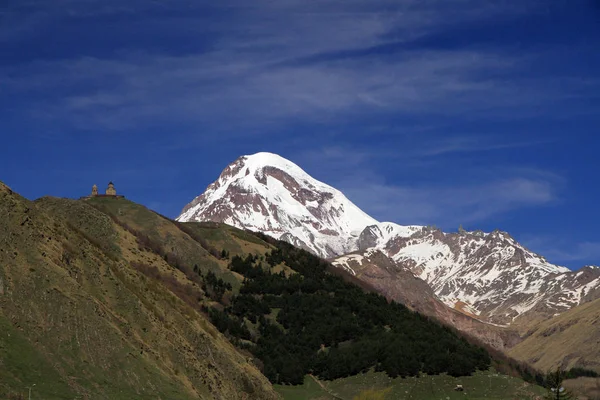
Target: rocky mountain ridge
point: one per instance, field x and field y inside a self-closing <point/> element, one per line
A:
<point x="489" y="276"/>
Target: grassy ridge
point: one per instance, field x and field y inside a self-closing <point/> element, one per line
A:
<point x="78" y="320"/>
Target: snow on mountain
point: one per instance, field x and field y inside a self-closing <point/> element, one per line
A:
<point x="267" y="193"/>
<point x="380" y="234"/>
<point x="489" y="275"/>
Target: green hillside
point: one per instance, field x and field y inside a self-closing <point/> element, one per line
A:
<point x="315" y="322"/>
<point x="80" y="320"/>
<point x="105" y="299"/>
<point x="487" y="385"/>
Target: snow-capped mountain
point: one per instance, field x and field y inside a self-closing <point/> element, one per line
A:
<point x="267" y="193"/>
<point x="486" y="275"/>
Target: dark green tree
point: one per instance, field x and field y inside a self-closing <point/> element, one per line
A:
<point x="554" y="384"/>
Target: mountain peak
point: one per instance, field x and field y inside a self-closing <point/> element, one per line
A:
<point x="258" y="164"/>
<point x="265" y="159"/>
<point x="268" y="193"/>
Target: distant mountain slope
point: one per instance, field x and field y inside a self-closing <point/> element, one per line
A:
<point x="567" y="340"/>
<point x="80" y="319"/>
<point x="489" y="276"/>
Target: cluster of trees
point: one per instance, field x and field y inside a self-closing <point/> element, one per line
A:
<point x="550" y="378"/>
<point x="577" y="372"/>
<point x="250" y="307"/>
<point x="314" y="322"/>
<point x="232" y="326"/>
<point x="554" y="384"/>
<point x="217" y="286"/>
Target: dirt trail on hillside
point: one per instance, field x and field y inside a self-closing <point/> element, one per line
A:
<point x="325" y="389"/>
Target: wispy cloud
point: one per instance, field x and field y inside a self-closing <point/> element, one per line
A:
<point x="454" y="197"/>
<point x="272" y="62"/>
<point x="130" y="91"/>
<point x="475" y="143"/>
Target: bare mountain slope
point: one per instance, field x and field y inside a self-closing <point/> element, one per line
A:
<point x="568" y="340"/>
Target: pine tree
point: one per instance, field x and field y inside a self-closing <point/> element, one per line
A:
<point x="556" y="390"/>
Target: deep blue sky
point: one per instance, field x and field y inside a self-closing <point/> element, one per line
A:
<point x="472" y="112"/>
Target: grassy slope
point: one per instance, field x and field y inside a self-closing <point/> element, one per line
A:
<point x="79" y="321"/>
<point x="161" y="230"/>
<point x="310" y="390"/>
<point x="584" y="388"/>
<point x="235" y="241"/>
<point x="482" y="385"/>
<point x="571" y="339"/>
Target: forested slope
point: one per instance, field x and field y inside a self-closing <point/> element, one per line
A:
<point x="314" y="322"/>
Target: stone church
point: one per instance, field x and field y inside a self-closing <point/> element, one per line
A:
<point x="109" y="192"/>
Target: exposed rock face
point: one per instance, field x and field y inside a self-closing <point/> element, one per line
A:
<point x="488" y="276"/>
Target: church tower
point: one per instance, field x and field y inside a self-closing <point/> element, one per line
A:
<point x="94" y="191"/>
<point x="110" y="190"/>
